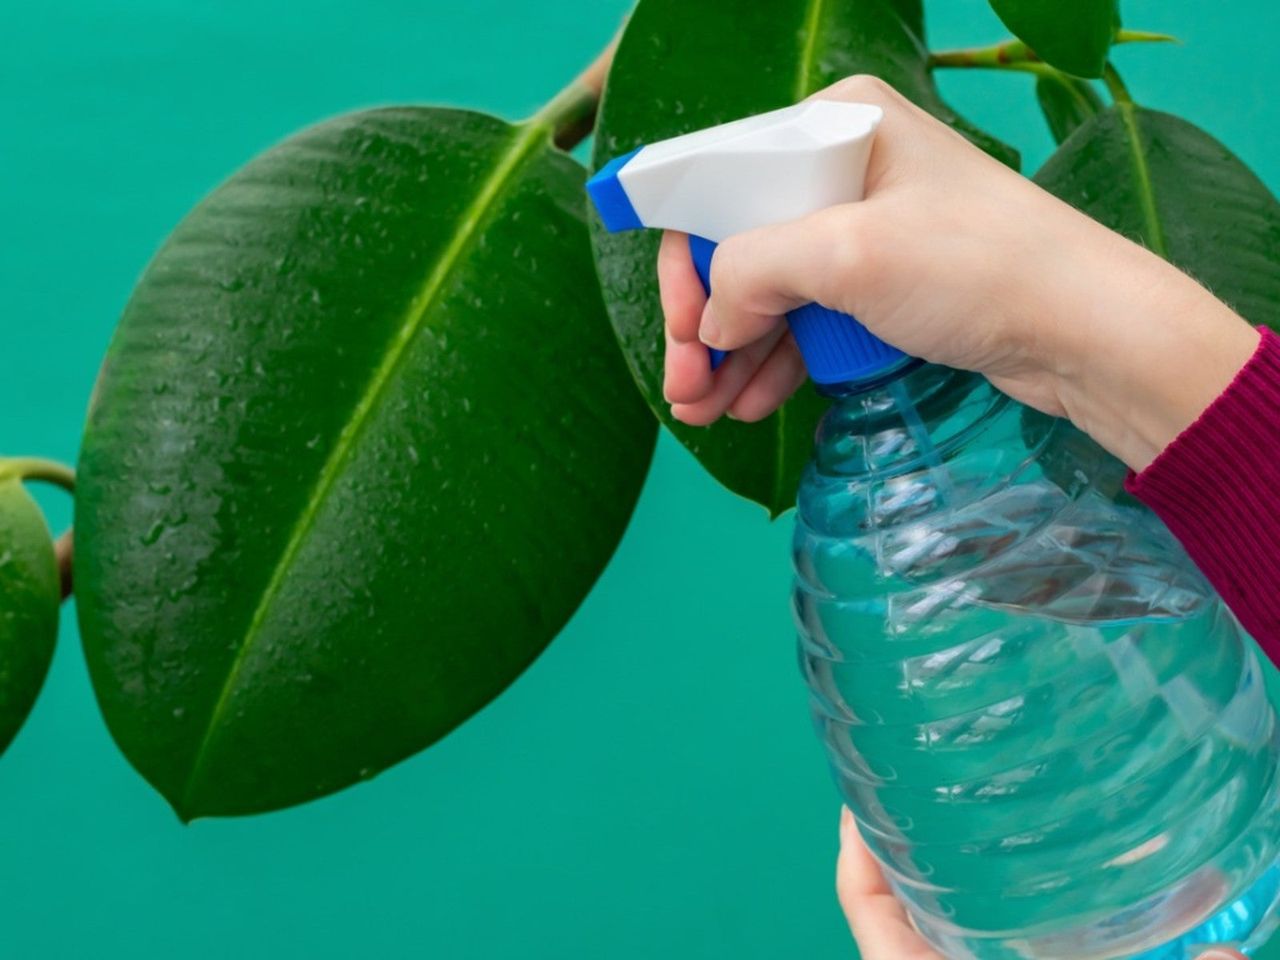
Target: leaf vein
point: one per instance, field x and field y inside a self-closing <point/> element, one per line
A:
<point x="1142" y="176"/>
<point x="803" y="87"/>
<point x="808" y="50"/>
<point x="780" y="464"/>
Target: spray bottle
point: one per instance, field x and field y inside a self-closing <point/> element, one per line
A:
<point x="1054" y="737"/>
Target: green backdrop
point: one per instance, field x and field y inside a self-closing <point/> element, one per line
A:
<point x="651" y="786"/>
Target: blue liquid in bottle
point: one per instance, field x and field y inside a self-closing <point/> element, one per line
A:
<point x="1053" y="734"/>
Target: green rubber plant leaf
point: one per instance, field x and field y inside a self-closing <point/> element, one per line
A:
<point x="1066" y="102"/>
<point x="1169" y="185"/>
<point x="912" y="14"/>
<point x="1072" y="36"/>
<point x="30" y="595"/>
<point x="362" y="443"/>
<point x="677" y="69"/>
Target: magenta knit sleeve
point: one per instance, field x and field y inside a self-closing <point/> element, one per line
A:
<point x="1216" y="487"/>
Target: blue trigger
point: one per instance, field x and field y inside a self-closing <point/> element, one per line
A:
<point x="701" y="249"/>
<point x="836" y="348"/>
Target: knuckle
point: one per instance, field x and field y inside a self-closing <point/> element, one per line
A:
<point x="865" y="87"/>
<point x="726" y="269"/>
<point x="853" y="248"/>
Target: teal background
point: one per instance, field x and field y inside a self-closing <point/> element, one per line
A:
<point x="651" y="786"/>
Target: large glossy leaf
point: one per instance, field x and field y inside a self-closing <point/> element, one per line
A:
<point x="912" y="14"/>
<point x="1066" y="103"/>
<point x="29" y="599"/>
<point x="1166" y="183"/>
<point x="1073" y="36"/>
<point x="678" y="69"/>
<point x="362" y="443"/>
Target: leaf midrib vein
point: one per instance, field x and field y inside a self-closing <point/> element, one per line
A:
<point x="802" y="89"/>
<point x="1078" y="96"/>
<point x="808" y="50"/>
<point x="526" y="140"/>
<point x="1142" y="178"/>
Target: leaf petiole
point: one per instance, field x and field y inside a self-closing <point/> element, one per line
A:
<point x="1115" y="85"/>
<point x="60" y="475"/>
<point x="570" y="115"/>
<point x="64" y="551"/>
<point x="36" y="468"/>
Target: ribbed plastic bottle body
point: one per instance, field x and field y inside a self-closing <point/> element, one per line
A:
<point x="1052" y="732"/>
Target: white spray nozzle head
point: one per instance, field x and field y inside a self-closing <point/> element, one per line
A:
<point x="750" y="173"/>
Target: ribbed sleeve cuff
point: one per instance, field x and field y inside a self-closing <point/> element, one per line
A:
<point x="1216" y="488"/>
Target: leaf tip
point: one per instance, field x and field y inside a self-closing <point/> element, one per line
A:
<point x="777" y="510"/>
<point x="1146" y="36"/>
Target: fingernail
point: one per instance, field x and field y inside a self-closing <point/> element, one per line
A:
<point x="729" y="414"/>
<point x="847" y="829"/>
<point x="1219" y="955"/>
<point x="709" y="328"/>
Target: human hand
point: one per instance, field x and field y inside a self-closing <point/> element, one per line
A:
<point x="954" y="258"/>
<point x="878" y="921"/>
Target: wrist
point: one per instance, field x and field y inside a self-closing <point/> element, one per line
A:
<point x="1149" y="353"/>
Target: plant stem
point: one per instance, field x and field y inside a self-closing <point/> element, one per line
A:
<point x="1016" y="55"/>
<point x="571" y="113"/>
<point x="1115" y="85"/>
<point x="34" y="468"/>
<point x="63" y="549"/>
<point x="1006" y="55"/>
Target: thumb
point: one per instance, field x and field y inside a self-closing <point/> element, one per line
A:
<point x="877" y="920"/>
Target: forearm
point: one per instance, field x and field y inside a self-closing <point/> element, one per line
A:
<point x="1141" y="349"/>
<point x="1187" y="394"/>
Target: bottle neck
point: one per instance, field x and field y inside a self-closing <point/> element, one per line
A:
<point x="852" y="388"/>
<point x="894" y="421"/>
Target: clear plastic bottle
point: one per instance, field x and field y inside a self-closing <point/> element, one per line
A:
<point x="1053" y="734"/>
